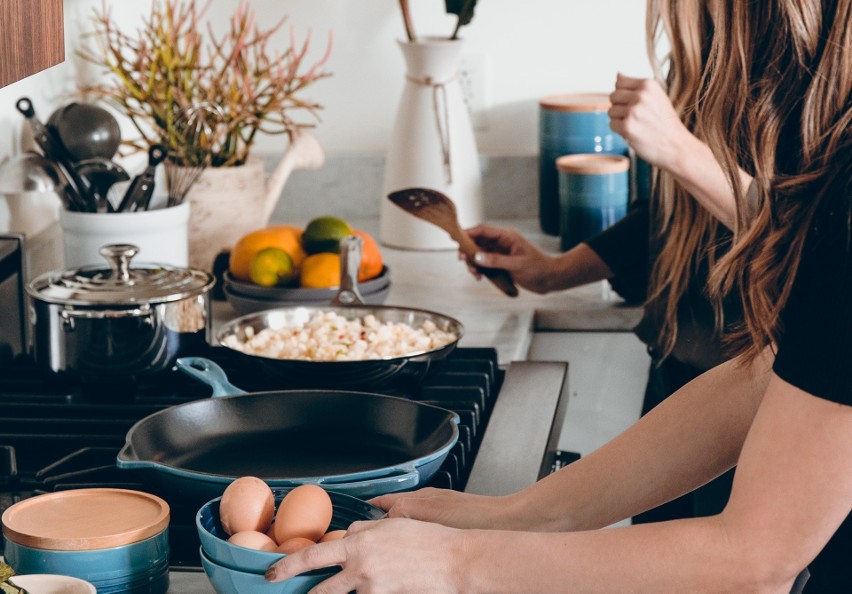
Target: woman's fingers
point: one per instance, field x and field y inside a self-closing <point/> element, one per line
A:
<point x="325" y="554"/>
<point x="622" y="81"/>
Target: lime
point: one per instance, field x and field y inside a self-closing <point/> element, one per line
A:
<point x="323" y="234"/>
<point x="271" y="267"/>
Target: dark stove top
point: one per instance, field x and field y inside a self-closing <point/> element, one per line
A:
<point x="59" y="434"/>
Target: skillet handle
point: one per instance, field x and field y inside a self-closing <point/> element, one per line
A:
<point x="376" y="486"/>
<point x="208" y="372"/>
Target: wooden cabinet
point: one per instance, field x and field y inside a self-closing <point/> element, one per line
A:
<point x="32" y="37"/>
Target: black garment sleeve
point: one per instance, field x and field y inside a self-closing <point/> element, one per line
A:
<point x="625" y="248"/>
<point x="815" y="346"/>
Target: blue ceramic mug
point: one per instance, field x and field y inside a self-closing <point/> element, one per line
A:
<point x="593" y="194"/>
<point x="574" y="123"/>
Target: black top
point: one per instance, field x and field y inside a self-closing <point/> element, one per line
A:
<point x="627" y="248"/>
<point x="815" y="347"/>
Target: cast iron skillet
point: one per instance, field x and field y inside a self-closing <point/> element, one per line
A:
<point x="348" y="303"/>
<point x="357" y="443"/>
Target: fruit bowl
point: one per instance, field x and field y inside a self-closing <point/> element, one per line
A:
<point x="248" y="298"/>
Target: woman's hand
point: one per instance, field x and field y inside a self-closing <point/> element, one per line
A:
<point x="508" y="249"/>
<point x="390" y="555"/>
<point x="643" y="115"/>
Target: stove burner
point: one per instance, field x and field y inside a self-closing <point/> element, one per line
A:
<point x="57" y="434"/>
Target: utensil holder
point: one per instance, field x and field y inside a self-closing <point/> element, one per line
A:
<point x="160" y="235"/>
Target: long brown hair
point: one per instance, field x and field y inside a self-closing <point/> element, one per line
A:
<point x="774" y="98"/>
<point x="684" y="230"/>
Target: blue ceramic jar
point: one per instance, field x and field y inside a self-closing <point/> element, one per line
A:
<point x="594" y="192"/>
<point x="570" y="124"/>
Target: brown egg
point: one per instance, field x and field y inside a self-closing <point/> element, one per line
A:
<point x="247" y="504"/>
<point x="305" y="511"/>
<point x="253" y="540"/>
<point x="271" y="532"/>
<point x="333" y="535"/>
<point x="291" y="545"/>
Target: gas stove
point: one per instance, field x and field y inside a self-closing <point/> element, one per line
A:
<point x="58" y="434"/>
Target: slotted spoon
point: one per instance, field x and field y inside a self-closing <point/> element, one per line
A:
<point x="438" y="209"/>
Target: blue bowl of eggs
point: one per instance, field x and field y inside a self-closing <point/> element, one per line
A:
<point x="251" y="526"/>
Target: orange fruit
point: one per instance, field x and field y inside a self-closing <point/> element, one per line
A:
<point x="284" y="237"/>
<point x="320" y="271"/>
<point x="323" y="234"/>
<point x="271" y="267"/>
<point x="371" y="257"/>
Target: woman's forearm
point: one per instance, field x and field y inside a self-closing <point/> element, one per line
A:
<point x="694" y="555"/>
<point x="692" y="437"/>
<point x="578" y="266"/>
<point x="791" y="492"/>
<point x="699" y="173"/>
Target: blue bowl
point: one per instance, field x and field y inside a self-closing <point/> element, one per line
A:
<point x="231" y="581"/>
<point x="346" y="509"/>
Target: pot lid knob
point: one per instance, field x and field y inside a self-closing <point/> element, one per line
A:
<point x="119" y="256"/>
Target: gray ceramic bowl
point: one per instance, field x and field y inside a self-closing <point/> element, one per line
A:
<point x="246" y="304"/>
<point x="283" y="295"/>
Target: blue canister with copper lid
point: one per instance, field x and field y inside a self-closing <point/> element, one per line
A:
<point x="593" y="195"/>
<point x="570" y="123"/>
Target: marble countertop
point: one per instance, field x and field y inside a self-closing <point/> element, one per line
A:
<point x="438" y="281"/>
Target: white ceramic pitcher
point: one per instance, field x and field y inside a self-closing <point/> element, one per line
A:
<point x="432" y="146"/>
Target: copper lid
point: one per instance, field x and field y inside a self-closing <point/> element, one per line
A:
<point x="85" y="519"/>
<point x="592" y="163"/>
<point x="576" y="102"/>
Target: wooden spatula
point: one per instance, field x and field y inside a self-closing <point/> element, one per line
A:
<point x="437" y="208"/>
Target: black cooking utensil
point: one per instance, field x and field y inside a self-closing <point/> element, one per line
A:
<point x="139" y="193"/>
<point x="76" y="194"/>
<point x="102" y="175"/>
<point x="87" y="131"/>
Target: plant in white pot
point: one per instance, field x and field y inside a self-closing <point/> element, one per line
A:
<point x="432" y="143"/>
<point x="207" y="98"/>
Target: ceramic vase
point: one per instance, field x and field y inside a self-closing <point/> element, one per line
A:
<point x="432" y="145"/>
<point x="225" y="204"/>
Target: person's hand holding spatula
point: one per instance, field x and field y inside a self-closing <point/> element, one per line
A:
<point x="436" y="208"/>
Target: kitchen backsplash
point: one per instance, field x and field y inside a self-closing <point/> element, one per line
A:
<point x="350" y="185"/>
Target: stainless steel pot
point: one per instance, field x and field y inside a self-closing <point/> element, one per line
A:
<point x="121" y="321"/>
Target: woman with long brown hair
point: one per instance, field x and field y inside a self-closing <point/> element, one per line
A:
<point x="776" y="100"/>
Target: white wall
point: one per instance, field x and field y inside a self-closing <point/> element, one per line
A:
<point x="529" y="49"/>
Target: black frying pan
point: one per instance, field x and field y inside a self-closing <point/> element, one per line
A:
<point x="357" y="443"/>
<point x="348" y="303"/>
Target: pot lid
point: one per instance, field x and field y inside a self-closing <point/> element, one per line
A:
<point x="85" y="519"/>
<point x="121" y="283"/>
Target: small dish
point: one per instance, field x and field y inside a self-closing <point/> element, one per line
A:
<point x="47" y="583"/>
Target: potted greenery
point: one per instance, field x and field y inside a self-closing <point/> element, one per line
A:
<point x="207" y="97"/>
